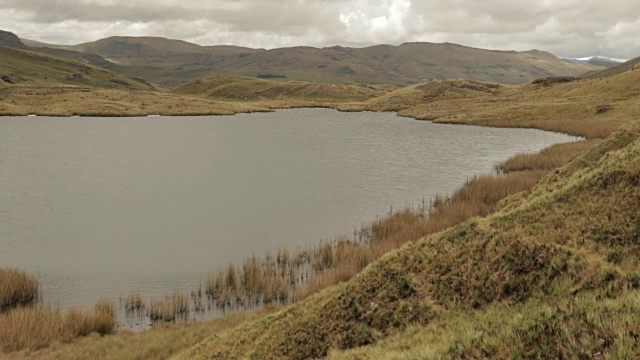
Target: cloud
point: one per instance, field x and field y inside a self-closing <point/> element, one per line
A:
<point x="568" y="28"/>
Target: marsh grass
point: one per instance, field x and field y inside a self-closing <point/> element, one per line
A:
<point x="38" y="326"/>
<point x="170" y="308"/>
<point x="134" y="302"/>
<point x="17" y="288"/>
<point x="284" y="277"/>
<point x="549" y="158"/>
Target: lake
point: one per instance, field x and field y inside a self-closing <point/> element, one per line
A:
<point x="100" y="207"/>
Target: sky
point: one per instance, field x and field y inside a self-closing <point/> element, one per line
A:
<point x="567" y="28"/>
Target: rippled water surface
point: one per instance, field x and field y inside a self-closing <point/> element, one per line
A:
<point x="99" y="207"/>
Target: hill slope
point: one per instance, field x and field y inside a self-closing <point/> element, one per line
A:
<point x="174" y="62"/>
<point x="256" y="90"/>
<point x="555" y="244"/>
<point x="587" y="107"/>
<point x="614" y="70"/>
<point x="27" y="67"/>
<point x="11" y="40"/>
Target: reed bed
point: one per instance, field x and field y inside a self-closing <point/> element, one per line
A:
<point x="549" y="158"/>
<point x="171" y="308"/>
<point x="134" y="302"/>
<point x="287" y="276"/>
<point x="38" y="326"/>
<point x="17" y="288"/>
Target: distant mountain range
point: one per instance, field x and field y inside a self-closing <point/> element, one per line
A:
<point x="174" y="62"/>
<point x="597" y="61"/>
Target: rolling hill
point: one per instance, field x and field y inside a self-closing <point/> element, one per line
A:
<point x="247" y="89"/>
<point x="28" y="68"/>
<point x="614" y="70"/>
<point x="174" y="62"/>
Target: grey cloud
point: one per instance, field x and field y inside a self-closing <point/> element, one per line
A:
<point x="567" y="28"/>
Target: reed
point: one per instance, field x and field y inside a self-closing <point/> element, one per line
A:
<point x="134" y="302"/>
<point x="171" y="308"/>
<point x="286" y="276"/>
<point x="39" y="326"/>
<point x="252" y="278"/>
<point x="549" y="158"/>
<point x="215" y="285"/>
<point x="335" y="263"/>
<point x="17" y="288"/>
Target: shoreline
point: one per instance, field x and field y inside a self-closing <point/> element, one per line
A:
<point x="387" y="216"/>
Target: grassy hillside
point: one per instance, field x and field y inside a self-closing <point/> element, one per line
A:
<point x="27" y="67"/>
<point x="73" y="100"/>
<point x="553" y="252"/>
<point x="614" y="70"/>
<point x="590" y="107"/>
<point x="212" y="96"/>
<point x="256" y="90"/>
<point x="173" y="62"/>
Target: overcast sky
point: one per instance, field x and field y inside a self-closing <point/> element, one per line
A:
<point x="569" y="28"/>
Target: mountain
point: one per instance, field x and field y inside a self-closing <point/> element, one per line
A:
<point x="11" y="40"/>
<point x="615" y="70"/>
<point x="175" y="62"/>
<point x="597" y="61"/>
<point x="28" y="67"/>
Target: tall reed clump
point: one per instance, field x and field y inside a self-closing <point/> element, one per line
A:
<point x="17" y="288"/>
<point x="170" y="308"/>
<point x="134" y="302"/>
<point x="38" y="326"/>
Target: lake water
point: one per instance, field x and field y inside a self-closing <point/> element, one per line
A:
<point x="100" y="207"/>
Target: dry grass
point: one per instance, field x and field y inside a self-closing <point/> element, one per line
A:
<point x="259" y="282"/>
<point x="572" y="108"/>
<point x="171" y="308"/>
<point x="549" y="158"/>
<point x="17" y="288"/>
<point x="37" y="327"/>
<point x="478" y="197"/>
<point x="134" y="302"/>
<point x="536" y="261"/>
<point x="62" y="100"/>
<point x="161" y="342"/>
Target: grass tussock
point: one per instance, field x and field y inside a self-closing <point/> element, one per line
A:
<point x="17" y="288"/>
<point x="39" y="326"/>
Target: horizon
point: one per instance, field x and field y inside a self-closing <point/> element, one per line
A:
<point x="572" y="29"/>
<point x="585" y="58"/>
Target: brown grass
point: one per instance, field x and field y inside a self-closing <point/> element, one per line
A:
<point x="37" y="327"/>
<point x="283" y="277"/>
<point x="134" y="302"/>
<point x="549" y="158"/>
<point x="335" y="263"/>
<point x="171" y="308"/>
<point x="17" y="288"/>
